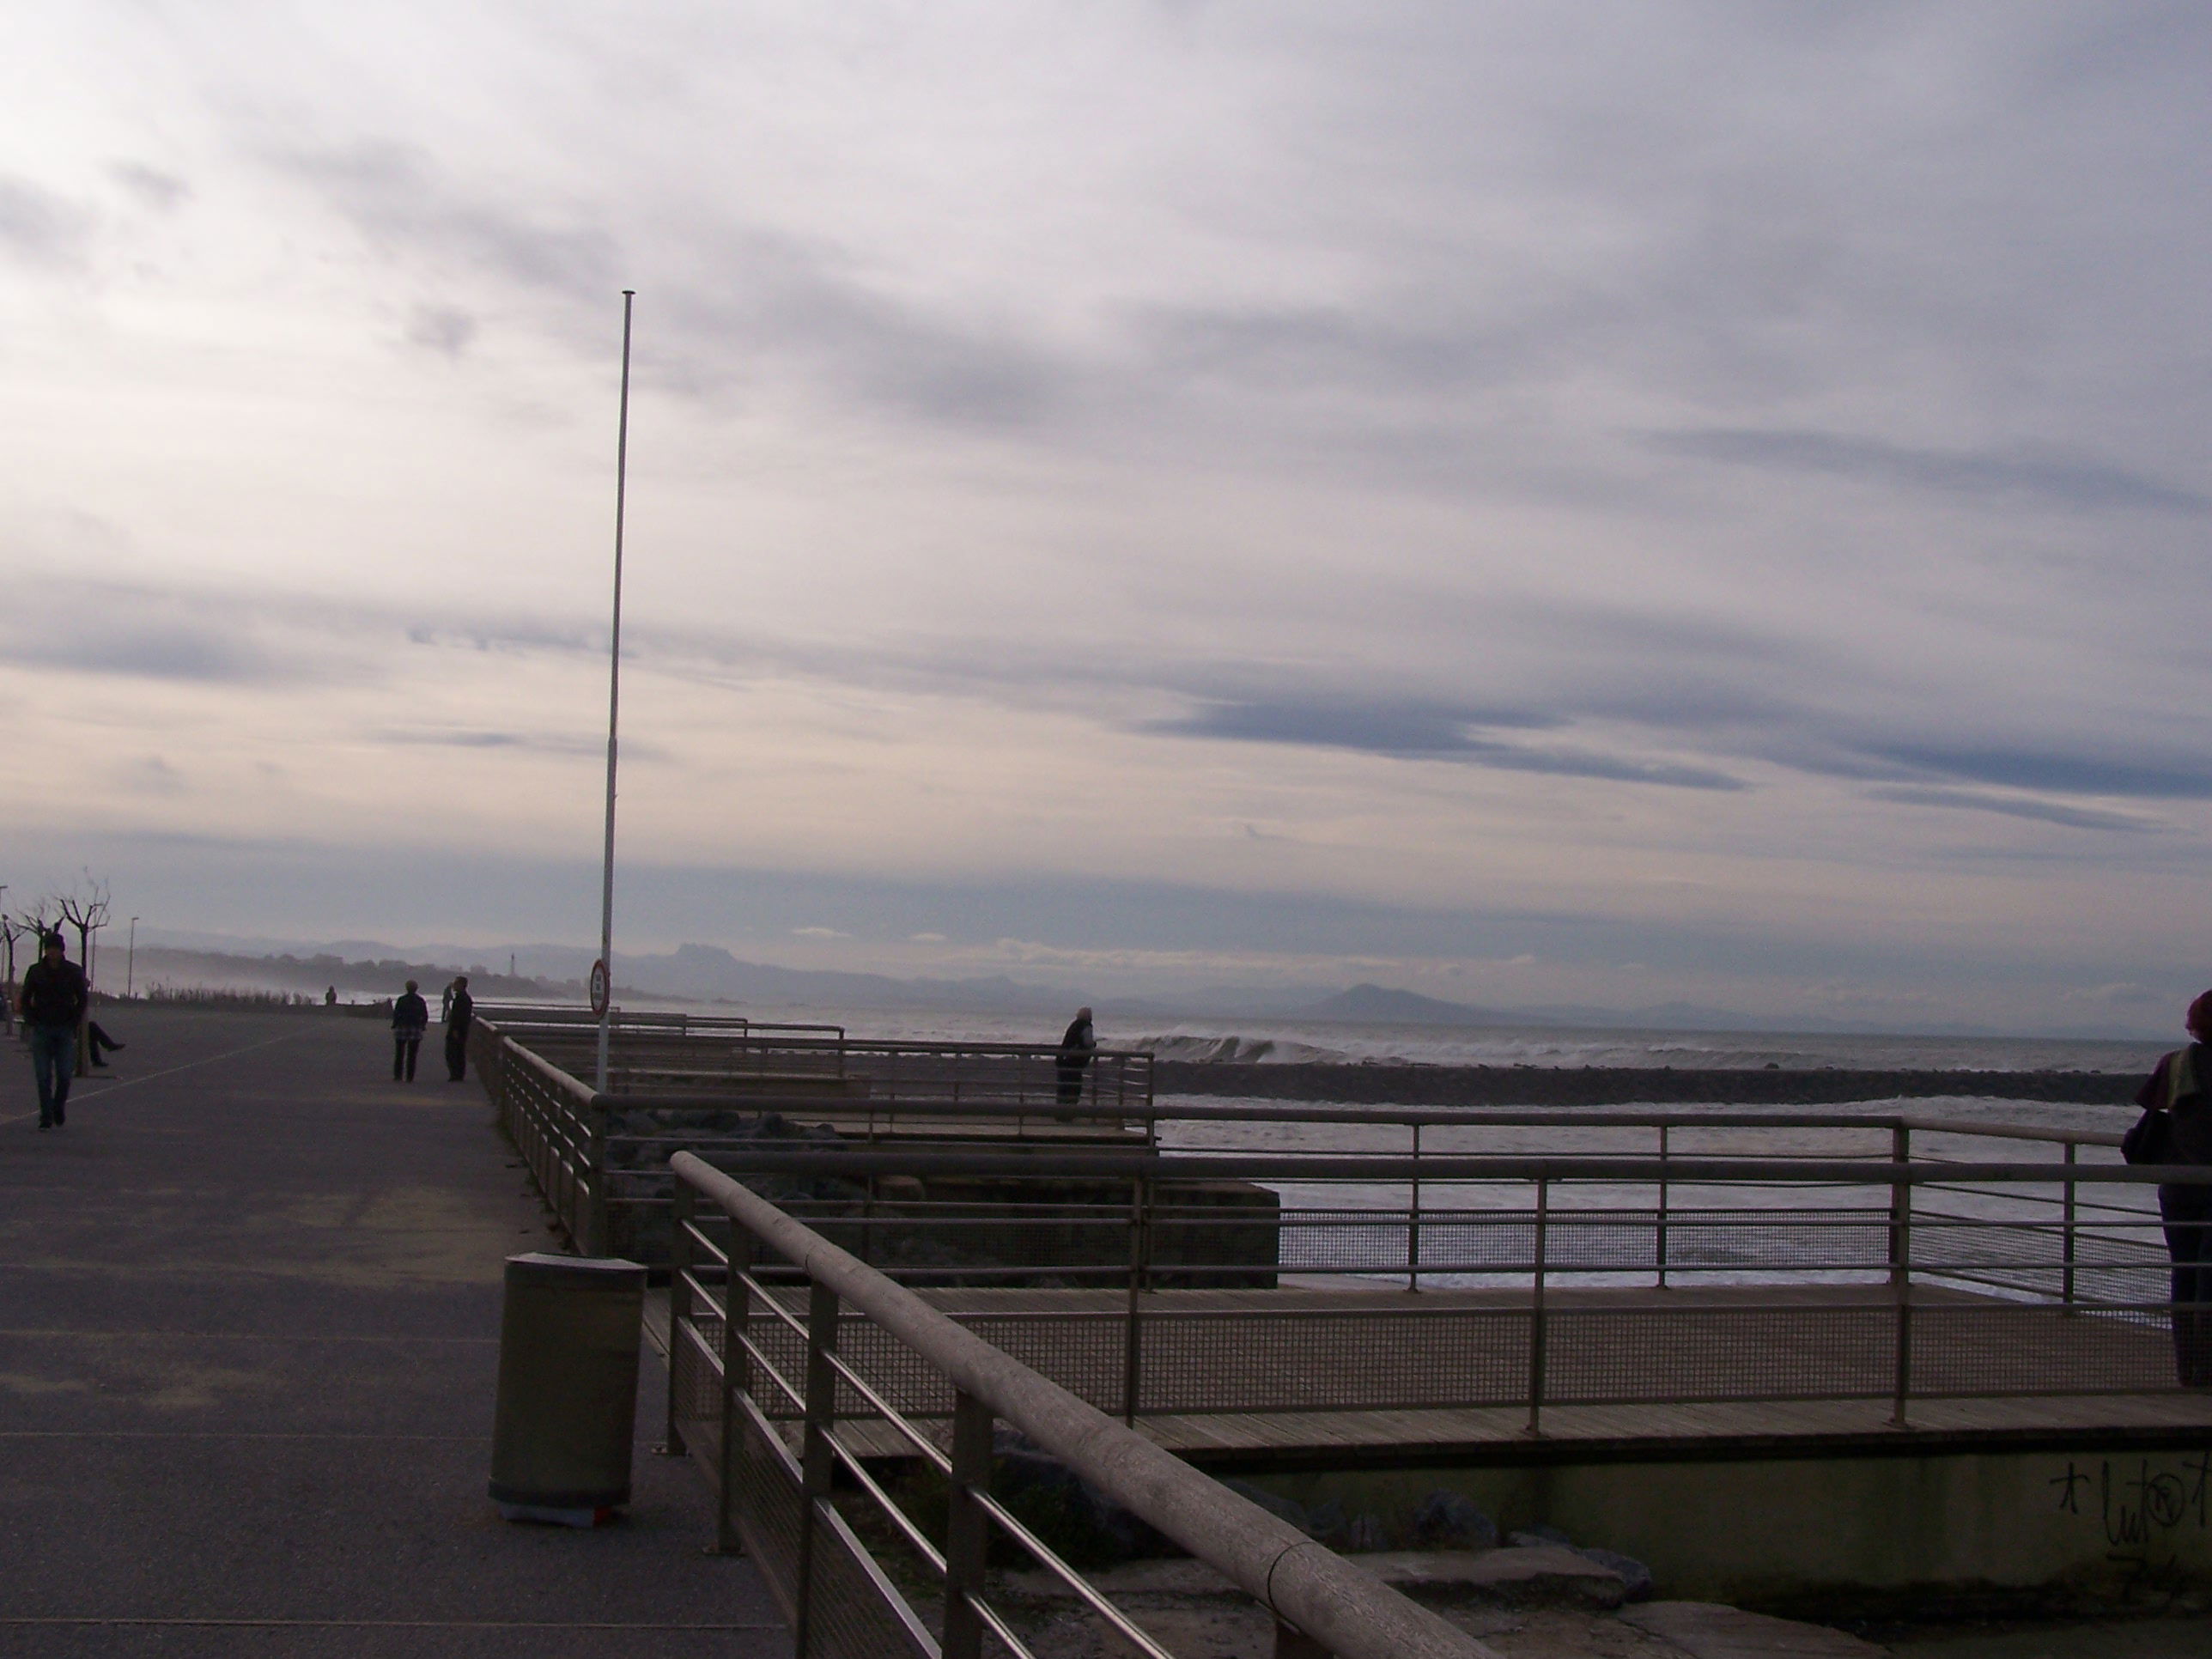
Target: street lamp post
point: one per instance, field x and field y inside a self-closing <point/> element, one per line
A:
<point x="614" y="705"/>
<point x="131" y="961"/>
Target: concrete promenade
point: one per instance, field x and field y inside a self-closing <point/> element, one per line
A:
<point x="249" y="1309"/>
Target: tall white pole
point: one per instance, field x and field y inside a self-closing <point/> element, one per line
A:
<point x="130" y="962"/>
<point x="614" y="697"/>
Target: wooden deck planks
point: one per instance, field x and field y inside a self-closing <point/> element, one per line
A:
<point x="1087" y="1334"/>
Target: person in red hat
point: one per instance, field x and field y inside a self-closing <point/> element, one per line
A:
<point x="2176" y="1127"/>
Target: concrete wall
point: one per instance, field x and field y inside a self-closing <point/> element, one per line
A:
<point x="2098" y="1524"/>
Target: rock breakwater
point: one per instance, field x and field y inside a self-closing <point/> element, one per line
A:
<point x="1594" y="1085"/>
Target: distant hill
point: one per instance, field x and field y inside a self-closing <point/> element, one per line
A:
<point x="708" y="972"/>
<point x="166" y="965"/>
<point x="1381" y="1005"/>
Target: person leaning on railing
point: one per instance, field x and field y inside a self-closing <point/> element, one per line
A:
<point x="460" y="1010"/>
<point x="1077" y="1045"/>
<point x="2176" y="1127"/>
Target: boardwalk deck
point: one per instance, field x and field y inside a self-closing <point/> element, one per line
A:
<point x="1312" y="1376"/>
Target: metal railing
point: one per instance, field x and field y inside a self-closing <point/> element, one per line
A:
<point x="514" y="1016"/>
<point x="749" y="1345"/>
<point x="600" y="1160"/>
<point x="1553" y="1282"/>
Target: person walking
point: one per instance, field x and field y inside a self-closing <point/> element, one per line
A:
<point x="52" y="1006"/>
<point x="410" y="1017"/>
<point x="460" y="1010"/>
<point x="2176" y="1127"/>
<point x="1077" y="1045"/>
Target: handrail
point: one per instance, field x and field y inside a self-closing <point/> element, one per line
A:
<point x="1260" y="1166"/>
<point x="1343" y="1609"/>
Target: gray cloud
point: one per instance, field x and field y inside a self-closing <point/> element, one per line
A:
<point x="151" y="186"/>
<point x="777" y="299"/>
<point x="41" y="229"/>
<point x="395" y="198"/>
<point x="447" y="330"/>
<point x="150" y="774"/>
<point x="2103" y="772"/>
<point x="2059" y="480"/>
<point x="564" y="745"/>
<point x="1317" y="350"/>
<point x="1424" y="731"/>
<point x="177" y="651"/>
<point x="2074" y="817"/>
<point x="209" y="637"/>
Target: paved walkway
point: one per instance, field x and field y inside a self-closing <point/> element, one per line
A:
<point x="249" y="1309"/>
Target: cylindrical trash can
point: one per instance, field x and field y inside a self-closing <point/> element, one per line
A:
<point x="567" y="1388"/>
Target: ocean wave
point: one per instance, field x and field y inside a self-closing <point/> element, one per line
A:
<point x="1237" y="1050"/>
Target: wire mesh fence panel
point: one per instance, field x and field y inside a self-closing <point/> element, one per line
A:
<point x="1999" y="1348"/>
<point x="768" y="1504"/>
<point x="1371" y="1359"/>
<point x="1613" y="1356"/>
<point x="852" y="1610"/>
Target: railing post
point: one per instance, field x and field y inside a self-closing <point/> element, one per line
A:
<point x="1660" y="1221"/>
<point x="966" y="1542"/>
<point x="1900" y="1205"/>
<point x="1133" y="1330"/>
<point x="681" y="1206"/>
<point x="594" y="1241"/>
<point x="737" y="1385"/>
<point x="1900" y="1280"/>
<point x="1413" y="1220"/>
<point x="1537" y="1334"/>
<point x="817" y="1462"/>
<point x="2066" y="1286"/>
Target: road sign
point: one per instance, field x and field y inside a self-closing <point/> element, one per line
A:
<point x="602" y="988"/>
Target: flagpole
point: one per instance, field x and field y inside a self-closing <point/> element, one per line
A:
<point x="614" y="704"/>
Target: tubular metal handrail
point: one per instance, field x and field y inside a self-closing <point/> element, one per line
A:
<point x="1347" y="1612"/>
<point x="1842" y="1264"/>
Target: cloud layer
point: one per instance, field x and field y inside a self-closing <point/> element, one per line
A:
<point x="1701" y="473"/>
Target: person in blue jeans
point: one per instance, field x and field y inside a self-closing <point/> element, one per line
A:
<point x="53" y="1005"/>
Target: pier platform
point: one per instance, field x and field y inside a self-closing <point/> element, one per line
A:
<point x="247" y="1349"/>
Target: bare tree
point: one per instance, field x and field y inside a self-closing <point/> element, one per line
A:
<point x="32" y="924"/>
<point x="85" y="908"/>
<point x="11" y="929"/>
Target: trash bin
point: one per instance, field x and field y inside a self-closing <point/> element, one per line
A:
<point x="567" y="1388"/>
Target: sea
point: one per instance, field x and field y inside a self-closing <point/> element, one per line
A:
<point x="1347" y="1042"/>
<point x="2124" y="1218"/>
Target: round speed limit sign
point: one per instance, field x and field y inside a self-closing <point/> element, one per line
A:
<point x="602" y="988"/>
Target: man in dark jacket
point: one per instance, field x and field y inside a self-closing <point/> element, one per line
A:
<point x="410" y="1017"/>
<point x="1076" y="1048"/>
<point x="2178" y="1098"/>
<point x="54" y="999"/>
<point x="460" y="1010"/>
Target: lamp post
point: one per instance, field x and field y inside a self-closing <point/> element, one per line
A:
<point x="614" y="705"/>
<point x="131" y="961"/>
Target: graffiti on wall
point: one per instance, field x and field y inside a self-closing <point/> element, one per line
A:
<point x="2141" y="1503"/>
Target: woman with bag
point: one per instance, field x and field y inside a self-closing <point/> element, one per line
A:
<point x="2176" y="1127"/>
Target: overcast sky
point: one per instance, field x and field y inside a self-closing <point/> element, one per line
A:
<point x="1524" y="502"/>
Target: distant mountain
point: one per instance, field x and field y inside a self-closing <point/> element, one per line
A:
<point x="1379" y="1005"/>
<point x="709" y="973"/>
<point x="381" y="977"/>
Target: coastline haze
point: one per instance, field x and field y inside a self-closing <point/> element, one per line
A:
<point x="1645" y="505"/>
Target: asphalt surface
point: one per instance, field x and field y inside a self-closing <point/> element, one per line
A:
<point x="249" y="1314"/>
